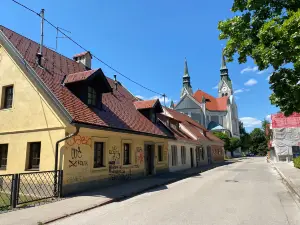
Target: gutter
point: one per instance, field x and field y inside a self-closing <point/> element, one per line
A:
<point x="56" y="156"/>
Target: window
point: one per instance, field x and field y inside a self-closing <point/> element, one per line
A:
<point x="92" y="96"/>
<point x="34" y="155"/>
<point x="3" y="156"/>
<point x="183" y="155"/>
<point x="7" y="97"/>
<point x="226" y="94"/>
<point x="126" y="159"/>
<point x="202" y="153"/>
<point x="160" y="153"/>
<point x="98" y="154"/>
<point x="174" y="155"/>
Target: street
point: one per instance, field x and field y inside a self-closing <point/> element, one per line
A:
<point x="245" y="193"/>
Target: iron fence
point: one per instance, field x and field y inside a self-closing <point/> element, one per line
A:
<point x="6" y="182"/>
<point x="18" y="189"/>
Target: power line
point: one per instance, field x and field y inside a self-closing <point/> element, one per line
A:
<point x="79" y="45"/>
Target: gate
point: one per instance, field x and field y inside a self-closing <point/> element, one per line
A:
<point x="18" y="189"/>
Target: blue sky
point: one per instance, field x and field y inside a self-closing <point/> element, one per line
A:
<point x="147" y="41"/>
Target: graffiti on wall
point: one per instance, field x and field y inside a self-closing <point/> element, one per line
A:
<point x="79" y="140"/>
<point x="139" y="156"/>
<point x="76" y="160"/>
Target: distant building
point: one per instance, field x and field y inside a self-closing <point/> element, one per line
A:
<point x="285" y="137"/>
<point x="214" y="113"/>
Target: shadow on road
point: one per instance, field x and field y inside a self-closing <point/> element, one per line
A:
<point x="130" y="188"/>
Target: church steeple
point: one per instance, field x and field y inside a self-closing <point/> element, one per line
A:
<point x="186" y="86"/>
<point x="224" y="70"/>
<point x="225" y="84"/>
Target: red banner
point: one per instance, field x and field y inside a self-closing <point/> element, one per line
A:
<point x="280" y="121"/>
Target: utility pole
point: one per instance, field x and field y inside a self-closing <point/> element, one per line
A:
<point x="164" y="95"/>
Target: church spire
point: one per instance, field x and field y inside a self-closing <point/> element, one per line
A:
<point x="186" y="81"/>
<point x="186" y="70"/>
<point x="223" y="63"/>
<point x="224" y="70"/>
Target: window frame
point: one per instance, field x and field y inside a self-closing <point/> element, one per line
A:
<point x="160" y="155"/>
<point x="174" y="155"/>
<point x="97" y="165"/>
<point x="7" y="103"/>
<point x="2" y="149"/>
<point x="127" y="154"/>
<point x="32" y="158"/>
<point x="91" y="96"/>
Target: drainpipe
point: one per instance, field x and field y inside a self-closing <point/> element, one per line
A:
<point x="56" y="156"/>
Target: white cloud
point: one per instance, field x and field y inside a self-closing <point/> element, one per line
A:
<point x="251" y="82"/>
<point x="249" y="69"/>
<point x="241" y="90"/>
<point x="262" y="71"/>
<point x="139" y="96"/>
<point x="268" y="78"/>
<point x="237" y="97"/>
<point x="215" y="87"/>
<point x="250" y="122"/>
<point x="161" y="99"/>
<point x="268" y="117"/>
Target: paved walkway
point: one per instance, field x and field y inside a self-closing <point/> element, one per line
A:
<point x="60" y="209"/>
<point x="250" y="192"/>
<point x="290" y="174"/>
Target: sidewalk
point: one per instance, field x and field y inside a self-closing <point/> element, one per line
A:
<point x="53" y="211"/>
<point x="290" y="174"/>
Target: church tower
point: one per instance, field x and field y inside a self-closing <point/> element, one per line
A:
<point x="225" y="84"/>
<point x="186" y="86"/>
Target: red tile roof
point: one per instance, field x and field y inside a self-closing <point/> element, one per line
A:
<point x="118" y="109"/>
<point x="74" y="77"/>
<point x="195" y="128"/>
<point x="215" y="104"/>
<point x="147" y="104"/>
<point x="82" y="54"/>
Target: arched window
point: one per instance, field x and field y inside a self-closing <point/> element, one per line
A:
<point x="223" y="95"/>
<point x="226" y="94"/>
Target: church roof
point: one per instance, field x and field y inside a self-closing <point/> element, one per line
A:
<point x="215" y="126"/>
<point x="213" y="104"/>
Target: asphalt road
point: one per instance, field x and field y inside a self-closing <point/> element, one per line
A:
<point x="248" y="192"/>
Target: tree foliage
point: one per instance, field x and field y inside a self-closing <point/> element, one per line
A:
<point x="230" y="144"/>
<point x="268" y="31"/>
<point x="245" y="137"/>
<point x="259" y="143"/>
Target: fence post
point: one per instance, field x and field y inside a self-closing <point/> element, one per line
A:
<point x="14" y="190"/>
<point x="60" y="183"/>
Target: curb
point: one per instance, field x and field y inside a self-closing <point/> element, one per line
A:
<point x="288" y="183"/>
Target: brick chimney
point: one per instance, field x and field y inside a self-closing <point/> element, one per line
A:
<point x="85" y="58"/>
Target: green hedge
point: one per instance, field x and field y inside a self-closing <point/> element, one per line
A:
<point x="297" y="162"/>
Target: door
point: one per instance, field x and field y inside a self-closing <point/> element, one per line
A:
<point x="197" y="156"/>
<point x="149" y="159"/>
<point x="192" y="157"/>
<point x="209" y="159"/>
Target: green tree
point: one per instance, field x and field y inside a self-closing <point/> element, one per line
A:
<point x="265" y="127"/>
<point x="230" y="144"/>
<point x="245" y="138"/>
<point x="268" y="32"/>
<point x="259" y="142"/>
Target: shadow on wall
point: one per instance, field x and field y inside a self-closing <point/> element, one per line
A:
<point x="155" y="183"/>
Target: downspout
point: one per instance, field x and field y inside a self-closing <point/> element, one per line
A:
<point x="56" y="156"/>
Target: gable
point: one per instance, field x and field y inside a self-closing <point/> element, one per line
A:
<point x="187" y="103"/>
<point x="30" y="109"/>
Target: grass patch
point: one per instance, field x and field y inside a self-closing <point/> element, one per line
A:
<point x="297" y="162"/>
<point x="4" y="201"/>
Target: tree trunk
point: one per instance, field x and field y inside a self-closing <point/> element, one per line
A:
<point x="231" y="154"/>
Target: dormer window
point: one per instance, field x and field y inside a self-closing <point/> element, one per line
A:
<point x="92" y="96"/>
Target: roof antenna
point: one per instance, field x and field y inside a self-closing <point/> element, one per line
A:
<point x="57" y="37"/>
<point x="116" y="82"/>
<point x="40" y="53"/>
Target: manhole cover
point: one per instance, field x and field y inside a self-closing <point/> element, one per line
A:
<point x="232" y="181"/>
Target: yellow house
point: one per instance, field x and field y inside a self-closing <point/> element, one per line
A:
<point x="58" y="113"/>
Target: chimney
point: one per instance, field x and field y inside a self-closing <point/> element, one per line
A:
<point x="116" y="82"/>
<point x="85" y="58"/>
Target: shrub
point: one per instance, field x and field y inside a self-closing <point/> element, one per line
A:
<point x="297" y="162"/>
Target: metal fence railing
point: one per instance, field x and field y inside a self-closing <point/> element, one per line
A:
<point x="18" y="189"/>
